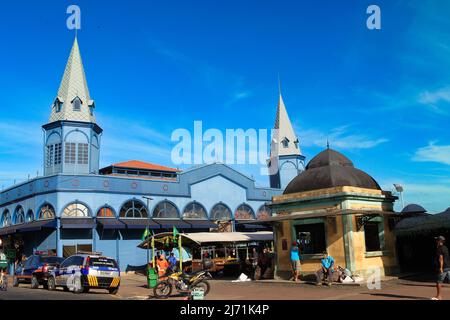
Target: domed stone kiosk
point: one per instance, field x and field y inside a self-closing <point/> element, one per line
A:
<point x="333" y="206"/>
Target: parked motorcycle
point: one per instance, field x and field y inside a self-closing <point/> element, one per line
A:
<point x="183" y="283"/>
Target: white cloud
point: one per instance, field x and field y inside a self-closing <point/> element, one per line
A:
<point x="433" y="153"/>
<point x="432" y="97"/>
<point x="339" y="138"/>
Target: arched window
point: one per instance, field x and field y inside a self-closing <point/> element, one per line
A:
<point x="264" y="212"/>
<point x="19" y="216"/>
<point x="194" y="210"/>
<point x="164" y="210"/>
<point x="30" y="216"/>
<point x="75" y="210"/>
<point x="244" y="212"/>
<point x="106" y="212"/>
<point x="133" y="209"/>
<point x="6" y="218"/>
<point x="76" y="103"/>
<point x="46" y="212"/>
<point x="221" y="212"/>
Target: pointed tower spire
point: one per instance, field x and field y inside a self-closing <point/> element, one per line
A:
<point x="287" y="143"/>
<point x="73" y="101"/>
<point x="286" y="159"/>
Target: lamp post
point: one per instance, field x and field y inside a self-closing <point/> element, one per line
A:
<point x="399" y="189"/>
<point x="148" y="226"/>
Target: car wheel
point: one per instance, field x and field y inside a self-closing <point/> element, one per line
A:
<point x="34" y="282"/>
<point x="51" y="284"/>
<point x="113" y="290"/>
<point x="78" y="286"/>
<point x="15" y="282"/>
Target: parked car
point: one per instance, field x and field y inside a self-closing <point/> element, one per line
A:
<point x="81" y="272"/>
<point x="35" y="270"/>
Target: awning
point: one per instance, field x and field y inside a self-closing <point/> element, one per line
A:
<point x="139" y="223"/>
<point x="201" y="224"/>
<point x="37" y="225"/>
<point x="77" y="223"/>
<point x="111" y="223"/>
<point x="7" y="230"/>
<point x="170" y="223"/>
<point x="200" y="238"/>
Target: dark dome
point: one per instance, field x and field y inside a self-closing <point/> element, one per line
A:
<point x="413" y="208"/>
<point x="329" y="157"/>
<point x="330" y="169"/>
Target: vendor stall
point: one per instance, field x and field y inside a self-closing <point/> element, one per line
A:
<point x="228" y="251"/>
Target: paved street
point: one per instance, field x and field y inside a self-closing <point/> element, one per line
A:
<point x="133" y="287"/>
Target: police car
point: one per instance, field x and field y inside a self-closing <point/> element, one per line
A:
<point x="84" y="271"/>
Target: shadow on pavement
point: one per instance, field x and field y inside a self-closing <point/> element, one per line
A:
<point x="390" y="295"/>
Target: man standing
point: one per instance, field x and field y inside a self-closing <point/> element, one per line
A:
<point x="295" y="261"/>
<point x="326" y="269"/>
<point x="443" y="265"/>
<point x="172" y="262"/>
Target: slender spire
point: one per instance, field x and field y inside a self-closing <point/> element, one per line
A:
<point x="73" y="85"/>
<point x="285" y="131"/>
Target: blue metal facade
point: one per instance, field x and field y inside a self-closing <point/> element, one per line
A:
<point x="207" y="185"/>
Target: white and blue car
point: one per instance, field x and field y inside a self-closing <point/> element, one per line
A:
<point x="81" y="272"/>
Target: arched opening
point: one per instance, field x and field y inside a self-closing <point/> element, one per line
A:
<point x="106" y="212"/>
<point x="244" y="212"/>
<point x="264" y="212"/>
<point x="194" y="210"/>
<point x="6" y="218"/>
<point x="46" y="212"/>
<point x="133" y="209"/>
<point x="221" y="212"/>
<point x="76" y="210"/>
<point x="166" y="210"/>
<point x="19" y="215"/>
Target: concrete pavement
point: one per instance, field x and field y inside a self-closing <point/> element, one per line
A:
<point x="133" y="287"/>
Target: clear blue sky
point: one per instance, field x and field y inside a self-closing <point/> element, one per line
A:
<point x="381" y="97"/>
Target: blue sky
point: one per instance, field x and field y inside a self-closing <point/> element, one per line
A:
<point x="381" y="97"/>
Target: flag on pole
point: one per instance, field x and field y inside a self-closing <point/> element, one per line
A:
<point x="146" y="233"/>
<point x="175" y="234"/>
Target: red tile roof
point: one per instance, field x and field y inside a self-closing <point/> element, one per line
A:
<point x="136" y="164"/>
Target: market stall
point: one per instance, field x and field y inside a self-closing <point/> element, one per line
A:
<point x="228" y="251"/>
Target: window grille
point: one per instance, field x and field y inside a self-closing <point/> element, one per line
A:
<point x="70" y="152"/>
<point x="82" y="153"/>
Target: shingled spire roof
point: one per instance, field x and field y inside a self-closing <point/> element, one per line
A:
<point x="286" y="142"/>
<point x="73" y="86"/>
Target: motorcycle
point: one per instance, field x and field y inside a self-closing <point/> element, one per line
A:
<point x="183" y="283"/>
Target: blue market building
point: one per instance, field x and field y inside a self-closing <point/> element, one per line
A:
<point x="76" y="205"/>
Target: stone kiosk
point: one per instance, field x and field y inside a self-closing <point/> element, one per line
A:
<point x="335" y="207"/>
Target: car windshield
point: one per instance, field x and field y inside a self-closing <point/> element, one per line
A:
<point x="52" y="259"/>
<point x="102" y="262"/>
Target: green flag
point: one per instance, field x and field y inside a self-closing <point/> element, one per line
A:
<point x="175" y="234"/>
<point x="146" y="233"/>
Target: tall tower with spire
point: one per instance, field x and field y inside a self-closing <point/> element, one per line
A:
<point x="72" y="137"/>
<point x="286" y="160"/>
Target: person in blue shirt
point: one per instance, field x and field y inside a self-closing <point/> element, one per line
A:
<point x="295" y="261"/>
<point x="172" y="262"/>
<point x="326" y="269"/>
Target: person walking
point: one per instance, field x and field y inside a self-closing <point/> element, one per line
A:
<point x="443" y="266"/>
<point x="295" y="261"/>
